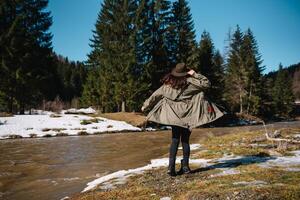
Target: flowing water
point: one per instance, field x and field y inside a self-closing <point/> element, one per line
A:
<point x="52" y="168"/>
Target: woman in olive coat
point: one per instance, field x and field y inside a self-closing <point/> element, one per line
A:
<point x="180" y="103"/>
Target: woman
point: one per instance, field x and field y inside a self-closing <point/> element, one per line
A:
<point x="180" y="103"/>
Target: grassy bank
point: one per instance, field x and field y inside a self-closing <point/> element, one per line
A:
<point x="246" y="175"/>
<point x="133" y="118"/>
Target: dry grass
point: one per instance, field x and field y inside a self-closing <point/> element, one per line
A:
<point x="5" y="114"/>
<point x="53" y="129"/>
<point x="245" y="143"/>
<point x="89" y="121"/>
<point x="82" y="133"/>
<point x="133" y="118"/>
<point x="53" y="115"/>
<point x="33" y="135"/>
<point x="61" y="134"/>
<point x="234" y="143"/>
<point x="15" y="136"/>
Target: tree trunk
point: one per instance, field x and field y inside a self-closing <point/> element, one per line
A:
<point x="11" y="104"/>
<point x="22" y="109"/>
<point x="123" y="106"/>
<point x="250" y="95"/>
<point x="241" y="102"/>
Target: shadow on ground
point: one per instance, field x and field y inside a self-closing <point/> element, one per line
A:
<point x="231" y="163"/>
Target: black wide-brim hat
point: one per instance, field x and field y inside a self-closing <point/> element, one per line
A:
<point x="180" y="70"/>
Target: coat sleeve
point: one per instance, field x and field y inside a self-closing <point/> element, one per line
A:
<point x="200" y="81"/>
<point x="153" y="99"/>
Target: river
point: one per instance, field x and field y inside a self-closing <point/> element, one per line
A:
<point x="52" y="168"/>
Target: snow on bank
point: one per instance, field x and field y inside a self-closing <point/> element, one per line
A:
<point x="193" y="146"/>
<point x="120" y="176"/>
<point x="50" y="124"/>
<point x="80" y="111"/>
<point x="226" y="164"/>
<point x="226" y="171"/>
<point x="257" y="182"/>
<point x="285" y="161"/>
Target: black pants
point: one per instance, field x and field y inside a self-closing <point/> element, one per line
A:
<point x="183" y="134"/>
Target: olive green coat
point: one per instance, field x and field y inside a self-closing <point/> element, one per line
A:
<point x="185" y="107"/>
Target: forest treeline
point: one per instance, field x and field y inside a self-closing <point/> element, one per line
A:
<point x="134" y="43"/>
<point x="31" y="73"/>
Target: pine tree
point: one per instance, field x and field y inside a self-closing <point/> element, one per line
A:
<point x="99" y="61"/>
<point x="183" y="44"/>
<point x="252" y="61"/>
<point x="70" y="77"/>
<point x="9" y="42"/>
<point x="243" y="81"/>
<point x="25" y="51"/>
<point x="236" y="76"/>
<point x="217" y="88"/>
<point x="91" y="90"/>
<point x="114" y="56"/>
<point x="282" y="94"/>
<point x="210" y="64"/>
<point x="205" y="56"/>
<point x="124" y="30"/>
<point x="152" y="41"/>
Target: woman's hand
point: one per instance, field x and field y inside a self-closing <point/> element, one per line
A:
<point x="191" y="72"/>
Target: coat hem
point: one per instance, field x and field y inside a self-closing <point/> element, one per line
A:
<point x="195" y="126"/>
<point x="188" y="127"/>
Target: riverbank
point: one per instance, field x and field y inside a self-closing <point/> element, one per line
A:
<point x="66" y="123"/>
<point x="239" y="165"/>
<point x="87" y="121"/>
<point x="56" y="167"/>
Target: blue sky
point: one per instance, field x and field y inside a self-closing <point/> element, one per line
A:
<point x="275" y="24"/>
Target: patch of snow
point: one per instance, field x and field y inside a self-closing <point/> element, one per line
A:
<point x="107" y="185"/>
<point x="243" y="122"/>
<point x="296" y="135"/>
<point x="292" y="169"/>
<point x="70" y="179"/>
<point x="256" y="182"/>
<point x="150" y="129"/>
<point x="66" y="197"/>
<point x="120" y="175"/>
<point x="54" y="182"/>
<point x="37" y="112"/>
<point x="88" y="110"/>
<point x="193" y="146"/>
<point x="165" y="198"/>
<point x="41" y="125"/>
<point x="283" y="161"/>
<point x="226" y="171"/>
<point x="259" y="145"/>
<point x="166" y="128"/>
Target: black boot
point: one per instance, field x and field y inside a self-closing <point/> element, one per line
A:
<point x="184" y="169"/>
<point x="171" y="170"/>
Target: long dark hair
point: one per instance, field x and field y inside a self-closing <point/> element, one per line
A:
<point x="174" y="81"/>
